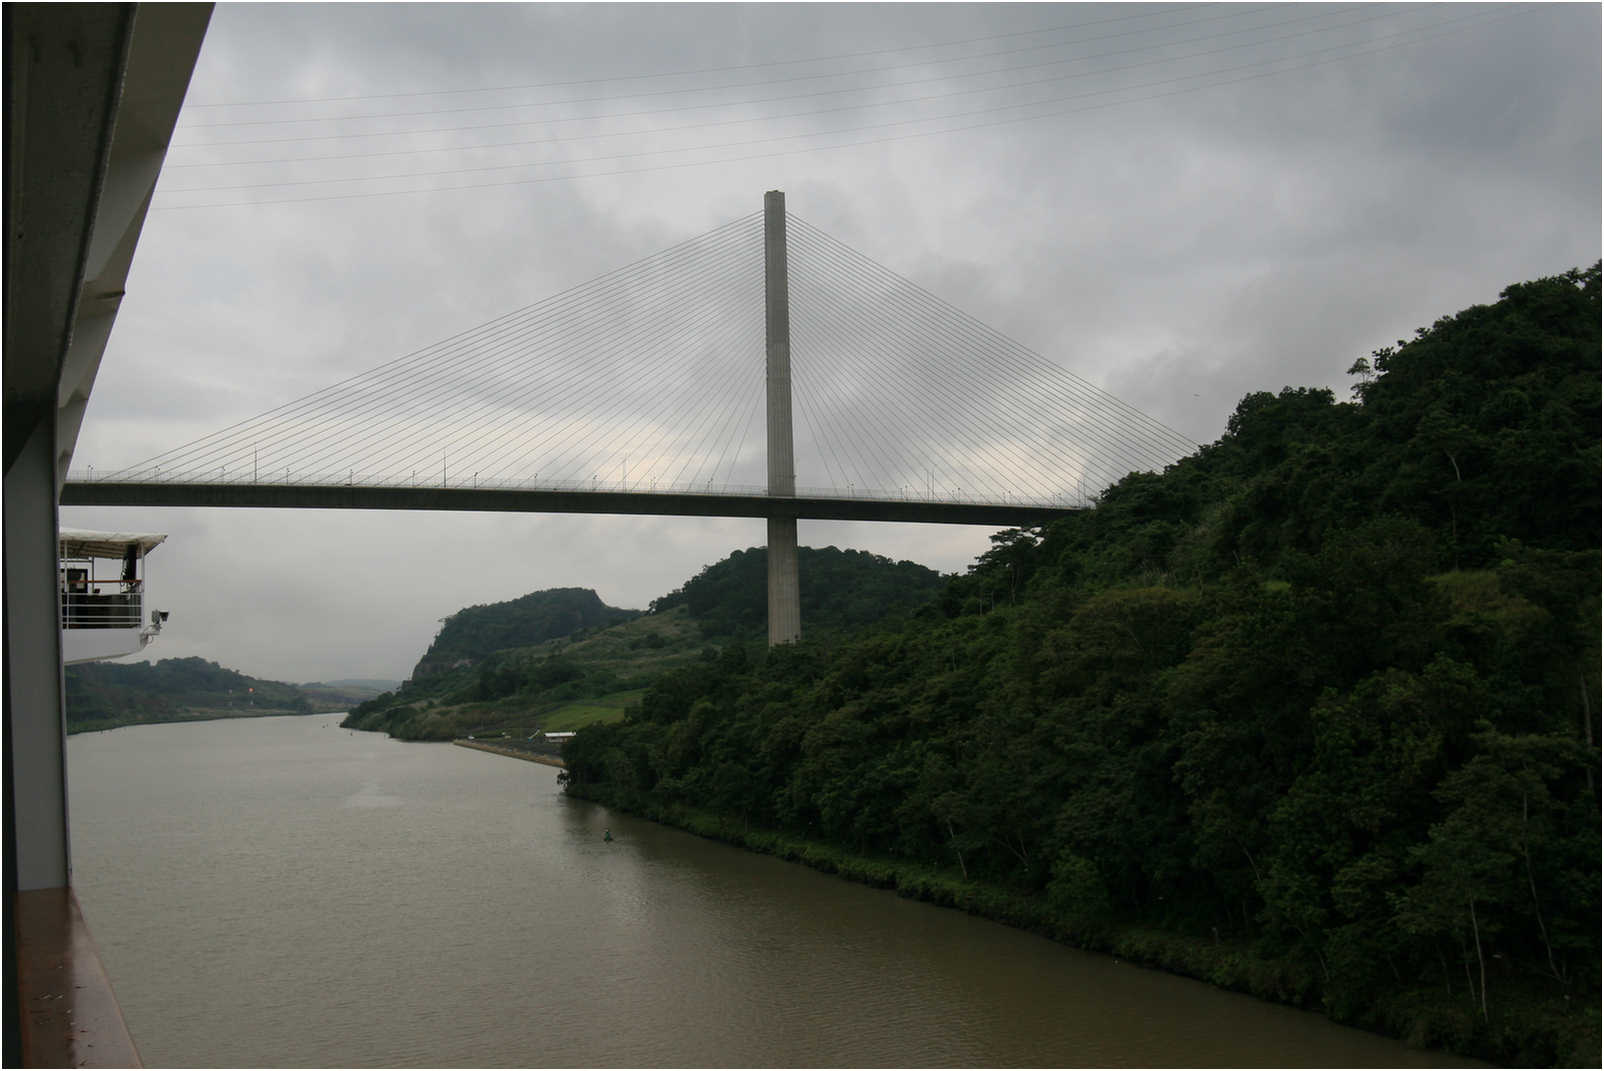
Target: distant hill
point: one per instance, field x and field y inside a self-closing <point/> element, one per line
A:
<point x="103" y="695"/>
<point x="841" y="590"/>
<point x="469" y="635"/>
<point x="373" y="684"/>
<point x="344" y="694"/>
<point x="595" y="674"/>
<point x="590" y="676"/>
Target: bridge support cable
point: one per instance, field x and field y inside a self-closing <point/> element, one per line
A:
<point x="875" y="399"/>
<point x="733" y="448"/>
<point x="915" y="413"/>
<point x="959" y="447"/>
<point x="386" y="397"/>
<point x="254" y="437"/>
<point x="1148" y="440"/>
<point x="464" y="396"/>
<point x="709" y="388"/>
<point x="589" y="366"/>
<point x="785" y="592"/>
<point x="906" y="418"/>
<point x="821" y="444"/>
<point x="571" y="378"/>
<point x="841" y="392"/>
<point x="644" y="380"/>
<point x="963" y="376"/>
<point x="672" y="356"/>
<point x="891" y="352"/>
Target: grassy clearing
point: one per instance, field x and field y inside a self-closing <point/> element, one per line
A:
<point x="615" y="666"/>
<point x="582" y="712"/>
<point x="644" y="647"/>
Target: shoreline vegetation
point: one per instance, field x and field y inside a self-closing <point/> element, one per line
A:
<point x="561" y="658"/>
<point x="111" y="695"/>
<point x="1421" y="1020"/>
<point x="1311" y="714"/>
<point x="179" y="717"/>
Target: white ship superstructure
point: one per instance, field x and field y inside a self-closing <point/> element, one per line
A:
<point x="103" y="594"/>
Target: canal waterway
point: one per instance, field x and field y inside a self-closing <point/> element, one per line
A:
<point x="284" y="892"/>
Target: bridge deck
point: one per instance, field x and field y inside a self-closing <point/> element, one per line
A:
<point x="496" y="500"/>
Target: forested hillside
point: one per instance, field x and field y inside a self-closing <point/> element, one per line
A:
<point x="1312" y="713"/>
<point x="518" y="690"/>
<point x="838" y="590"/>
<point x="469" y="635"/>
<point x="103" y="695"/>
<point x="549" y="679"/>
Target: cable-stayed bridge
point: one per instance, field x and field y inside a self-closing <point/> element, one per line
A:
<point x="641" y="392"/>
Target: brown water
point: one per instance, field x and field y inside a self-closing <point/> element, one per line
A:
<point x="284" y="892"/>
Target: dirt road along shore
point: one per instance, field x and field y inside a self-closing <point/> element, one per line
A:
<point x="527" y="756"/>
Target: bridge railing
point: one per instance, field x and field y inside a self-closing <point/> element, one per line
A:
<point x="1070" y="499"/>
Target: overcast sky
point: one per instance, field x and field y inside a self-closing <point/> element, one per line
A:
<point x="1180" y="203"/>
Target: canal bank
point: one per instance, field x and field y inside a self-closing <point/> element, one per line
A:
<point x="1423" y="1021"/>
<point x="344" y="899"/>
<point x="512" y="753"/>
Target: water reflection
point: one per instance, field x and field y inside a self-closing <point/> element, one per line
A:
<point x="267" y="893"/>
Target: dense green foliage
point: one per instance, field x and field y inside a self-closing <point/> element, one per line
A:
<point x="529" y="685"/>
<point x="517" y="690"/>
<point x="470" y="635"/>
<point x="838" y="589"/>
<point x="1312" y="712"/>
<point x="103" y="695"/>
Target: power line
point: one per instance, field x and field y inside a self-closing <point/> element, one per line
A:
<point x="675" y="109"/>
<point x="697" y="70"/>
<point x="805" y="114"/>
<point x="1459" y="28"/>
<point x="712" y="89"/>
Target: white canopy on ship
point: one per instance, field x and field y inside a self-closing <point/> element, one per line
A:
<point x="82" y="543"/>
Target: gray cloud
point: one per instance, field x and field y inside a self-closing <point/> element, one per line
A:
<point x="1178" y="252"/>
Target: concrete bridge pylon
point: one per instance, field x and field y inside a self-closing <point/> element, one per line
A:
<point x="785" y="599"/>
